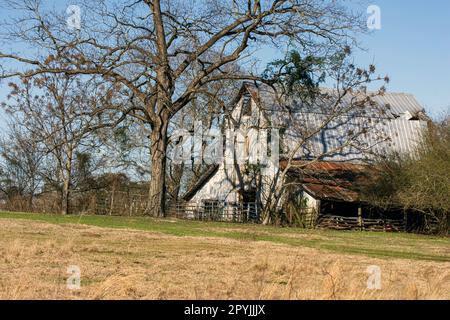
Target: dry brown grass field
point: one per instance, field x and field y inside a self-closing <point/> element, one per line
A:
<point x="212" y="262"/>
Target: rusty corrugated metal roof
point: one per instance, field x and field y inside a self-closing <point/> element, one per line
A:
<point x="327" y="192"/>
<point x="325" y="165"/>
<point x="326" y="180"/>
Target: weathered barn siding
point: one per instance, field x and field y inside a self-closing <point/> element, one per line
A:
<point x="219" y="187"/>
<point x="312" y="210"/>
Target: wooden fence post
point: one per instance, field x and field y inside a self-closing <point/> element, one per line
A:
<point x="360" y="219"/>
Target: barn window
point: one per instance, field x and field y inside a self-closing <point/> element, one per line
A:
<point x="247" y="106"/>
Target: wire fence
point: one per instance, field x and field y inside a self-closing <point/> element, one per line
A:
<point x="120" y="203"/>
<point x="99" y="202"/>
<point x="216" y="211"/>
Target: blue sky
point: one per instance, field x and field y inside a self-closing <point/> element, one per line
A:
<point x="412" y="47"/>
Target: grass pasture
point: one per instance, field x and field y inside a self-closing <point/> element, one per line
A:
<point x="144" y="258"/>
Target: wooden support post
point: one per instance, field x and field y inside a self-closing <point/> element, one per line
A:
<point x="317" y="213"/>
<point x="360" y="219"/>
<point x="405" y="221"/>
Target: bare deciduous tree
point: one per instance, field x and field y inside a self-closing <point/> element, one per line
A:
<point x="52" y="109"/>
<point x="150" y="48"/>
<point x="20" y="167"/>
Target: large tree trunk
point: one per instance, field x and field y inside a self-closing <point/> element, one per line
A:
<point x="160" y="121"/>
<point x="157" y="190"/>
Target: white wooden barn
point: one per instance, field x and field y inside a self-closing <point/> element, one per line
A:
<point x="317" y="133"/>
